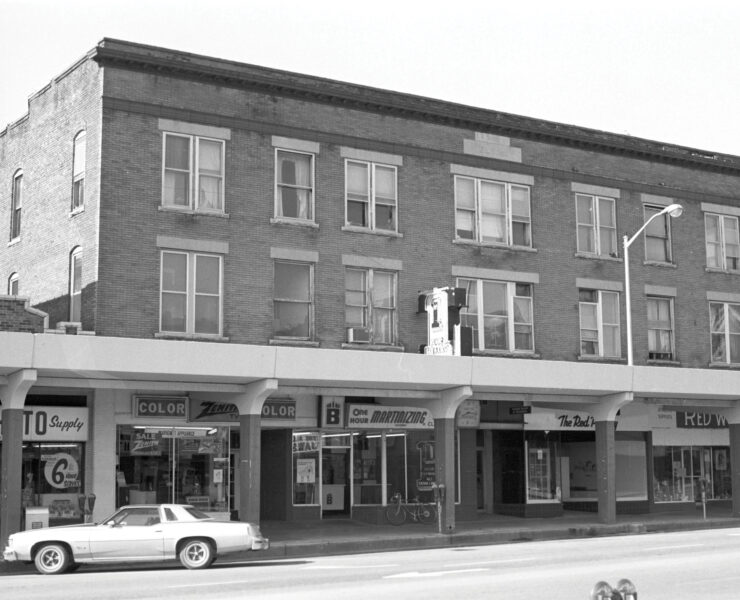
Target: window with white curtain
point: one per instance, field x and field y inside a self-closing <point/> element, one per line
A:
<point x="722" y="242"/>
<point x="725" y="332"/>
<point x="193" y="173"/>
<point x="599" y="323"/>
<point x="492" y="212"/>
<point x="371" y="196"/>
<point x="499" y="313"/>
<point x="13" y="284"/>
<point x="660" y="328"/>
<point x="294" y="188"/>
<point x="597" y="225"/>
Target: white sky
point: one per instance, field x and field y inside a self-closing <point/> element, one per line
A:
<point x="660" y="70"/>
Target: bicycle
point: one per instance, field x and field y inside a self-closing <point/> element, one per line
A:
<point x="397" y="511"/>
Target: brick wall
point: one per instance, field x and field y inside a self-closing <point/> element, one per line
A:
<point x="16" y="315"/>
<point x="124" y="300"/>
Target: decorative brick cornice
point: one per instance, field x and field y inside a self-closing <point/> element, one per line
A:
<point x="221" y="72"/>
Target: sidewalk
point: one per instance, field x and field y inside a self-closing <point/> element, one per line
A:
<point x="336" y="536"/>
<point x="345" y="536"/>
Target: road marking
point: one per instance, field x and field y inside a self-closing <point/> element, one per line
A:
<point x="673" y="547"/>
<point x="330" y="567"/>
<point x="210" y="584"/>
<point x="491" y="562"/>
<point x="431" y="573"/>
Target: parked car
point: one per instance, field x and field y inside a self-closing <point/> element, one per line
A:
<point x="137" y="533"/>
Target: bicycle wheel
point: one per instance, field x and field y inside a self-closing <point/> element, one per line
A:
<point x="395" y="514"/>
<point x="427" y="513"/>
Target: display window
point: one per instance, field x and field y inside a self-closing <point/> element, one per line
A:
<point x="53" y="477"/>
<point x="334" y="469"/>
<point x="182" y="465"/>
<point x="542" y="455"/>
<point x="681" y="473"/>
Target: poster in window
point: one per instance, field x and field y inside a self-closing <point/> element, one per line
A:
<point x="305" y="470"/>
<point x="720" y="460"/>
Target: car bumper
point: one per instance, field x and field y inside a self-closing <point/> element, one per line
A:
<point x="9" y="555"/>
<point x="260" y="544"/>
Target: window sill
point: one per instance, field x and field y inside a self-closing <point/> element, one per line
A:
<point x="663" y="363"/>
<point x="507" y="354"/>
<point x="76" y="211"/>
<point x="654" y="263"/>
<point x="716" y="365"/>
<point x="381" y="232"/>
<point x="374" y="347"/>
<point x="294" y="222"/>
<point x="598" y="257"/>
<point x="193" y="213"/>
<point x="294" y="342"/>
<point x="725" y="271"/>
<point x="202" y="337"/>
<point x="512" y="248"/>
<point x="14" y="241"/>
<point x="602" y="359"/>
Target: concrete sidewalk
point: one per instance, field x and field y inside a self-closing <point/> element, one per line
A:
<point x="344" y="536"/>
<point x="336" y="536"/>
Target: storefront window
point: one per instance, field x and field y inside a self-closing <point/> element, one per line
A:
<point x="306" y="446"/>
<point x="631" y="464"/>
<point x="680" y="473"/>
<point x="543" y="467"/>
<point x="53" y="477"/>
<point x="184" y="465"/>
<point x="368" y="462"/>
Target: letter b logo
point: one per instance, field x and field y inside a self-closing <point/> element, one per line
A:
<point x="332" y="416"/>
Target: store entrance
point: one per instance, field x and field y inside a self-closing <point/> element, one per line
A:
<point x="335" y="496"/>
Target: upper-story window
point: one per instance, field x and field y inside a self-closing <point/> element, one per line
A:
<point x="75" y="285"/>
<point x="191" y="293"/>
<point x="78" y="171"/>
<point x="370" y="306"/>
<point x="657" y="236"/>
<point x="725" y="332"/>
<point x="371" y="196"/>
<point x="294" y="188"/>
<point x="723" y="242"/>
<point x="660" y="328"/>
<point x="499" y="313"/>
<point x="599" y="323"/>
<point x="293" y="300"/>
<point x="597" y="225"/>
<point x="492" y="212"/>
<point x="16" y="204"/>
<point x="13" y="284"/>
<point x="193" y="173"/>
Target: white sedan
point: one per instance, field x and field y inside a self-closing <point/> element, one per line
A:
<point x="140" y="533"/>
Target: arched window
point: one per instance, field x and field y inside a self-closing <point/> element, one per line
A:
<point x="75" y="285"/>
<point x="13" y="284"/>
<point x="16" y="202"/>
<point x="78" y="171"/>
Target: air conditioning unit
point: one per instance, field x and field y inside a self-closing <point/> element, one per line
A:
<point x="358" y="334"/>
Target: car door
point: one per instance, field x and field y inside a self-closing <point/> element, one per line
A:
<point x="135" y="535"/>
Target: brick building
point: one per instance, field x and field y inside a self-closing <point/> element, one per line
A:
<point x="241" y="252"/>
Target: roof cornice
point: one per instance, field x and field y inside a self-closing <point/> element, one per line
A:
<point x="222" y="72"/>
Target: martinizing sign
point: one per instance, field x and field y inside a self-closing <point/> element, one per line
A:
<point x="372" y="416"/>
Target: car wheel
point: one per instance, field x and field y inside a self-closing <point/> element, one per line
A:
<point x="197" y="554"/>
<point x="52" y="559"/>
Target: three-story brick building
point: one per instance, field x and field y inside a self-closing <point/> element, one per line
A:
<point x="241" y="251"/>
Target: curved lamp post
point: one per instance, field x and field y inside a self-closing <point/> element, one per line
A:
<point x="674" y="210"/>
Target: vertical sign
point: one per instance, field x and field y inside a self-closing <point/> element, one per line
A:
<point x="438" y="341"/>
<point x="332" y="411"/>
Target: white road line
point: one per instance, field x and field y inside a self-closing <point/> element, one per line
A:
<point x="330" y="567"/>
<point x="431" y="573"/>
<point x="677" y="547"/>
<point x="209" y="584"/>
<point x="492" y="562"/>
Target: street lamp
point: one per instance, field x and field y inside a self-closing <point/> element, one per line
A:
<point x="674" y="210"/>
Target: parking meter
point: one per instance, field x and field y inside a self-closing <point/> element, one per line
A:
<point x="627" y="589"/>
